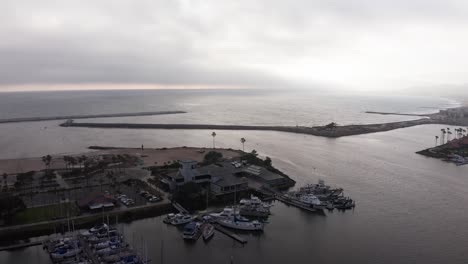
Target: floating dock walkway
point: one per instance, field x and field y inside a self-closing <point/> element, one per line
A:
<point x="21" y="245"/>
<point x="179" y="208"/>
<point x="230" y="234"/>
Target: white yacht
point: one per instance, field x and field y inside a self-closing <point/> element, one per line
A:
<point x="312" y="201"/>
<point x="181" y="219"/>
<point x="254" y="201"/>
<point x="226" y="213"/>
<point x="241" y="224"/>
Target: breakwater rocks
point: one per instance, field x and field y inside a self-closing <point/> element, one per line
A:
<point x="324" y="131"/>
<point x="35" y="119"/>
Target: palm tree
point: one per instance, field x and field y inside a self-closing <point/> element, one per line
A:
<point x="448" y="136"/>
<point x="436" y="139"/>
<point x="243" y="141"/>
<point x="81" y="160"/>
<point x="47" y="160"/>
<point x="5" y="177"/>
<point x="442" y="141"/>
<point x="73" y="162"/>
<point x="213" y="135"/>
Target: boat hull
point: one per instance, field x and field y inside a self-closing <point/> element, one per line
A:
<point x="240" y="225"/>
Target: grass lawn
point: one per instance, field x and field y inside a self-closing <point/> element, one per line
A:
<point x="43" y="213"/>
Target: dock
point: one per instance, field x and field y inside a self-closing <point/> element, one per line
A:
<point x="21" y="245"/>
<point x="230" y="234"/>
<point x="88" y="251"/>
<point x="180" y="208"/>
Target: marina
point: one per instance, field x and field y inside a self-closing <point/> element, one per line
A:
<point x="100" y="244"/>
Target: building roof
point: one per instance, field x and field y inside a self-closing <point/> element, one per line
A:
<point x="262" y="173"/>
<point x="223" y="174"/>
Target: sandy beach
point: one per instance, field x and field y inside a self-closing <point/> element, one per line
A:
<point x="150" y="157"/>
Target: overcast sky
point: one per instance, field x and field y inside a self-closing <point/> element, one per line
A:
<point x="364" y="44"/>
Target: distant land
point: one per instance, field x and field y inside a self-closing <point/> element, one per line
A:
<point x="454" y="116"/>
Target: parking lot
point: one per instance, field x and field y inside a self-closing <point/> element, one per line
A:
<point x="132" y="192"/>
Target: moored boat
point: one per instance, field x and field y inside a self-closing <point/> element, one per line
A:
<point x="255" y="211"/>
<point x="207" y="231"/>
<point x="169" y="218"/>
<point x="236" y="223"/>
<point x="181" y="219"/>
<point x="191" y="231"/>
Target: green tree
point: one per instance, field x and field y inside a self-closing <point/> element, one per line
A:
<point x="9" y="205"/>
<point x="213" y="157"/>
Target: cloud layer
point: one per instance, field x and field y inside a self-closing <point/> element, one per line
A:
<point x="367" y="44"/>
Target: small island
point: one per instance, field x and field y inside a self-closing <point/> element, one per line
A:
<point x="454" y="150"/>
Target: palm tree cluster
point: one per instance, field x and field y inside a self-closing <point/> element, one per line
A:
<point x="242" y="140"/>
<point x="446" y="134"/>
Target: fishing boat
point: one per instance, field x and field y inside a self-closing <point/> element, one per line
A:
<point x="241" y="224"/>
<point x="207" y="231"/>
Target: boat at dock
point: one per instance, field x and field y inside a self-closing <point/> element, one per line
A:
<point x="321" y="196"/>
<point x="181" y="219"/>
<point x="191" y="231"/>
<point x="254" y="201"/>
<point x="241" y="224"/>
<point x="254" y="211"/>
<point x="254" y="207"/>
<point x="100" y="244"/>
<point x="169" y="218"/>
<point x="207" y="231"/>
<point x="312" y="201"/>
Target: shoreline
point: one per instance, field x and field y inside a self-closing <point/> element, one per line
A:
<point x="442" y="117"/>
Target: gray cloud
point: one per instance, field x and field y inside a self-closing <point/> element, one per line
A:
<point x="251" y="43"/>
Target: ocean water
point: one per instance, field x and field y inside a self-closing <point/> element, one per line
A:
<point x="260" y="107"/>
<point x="410" y="208"/>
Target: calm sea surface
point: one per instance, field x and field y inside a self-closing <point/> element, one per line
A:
<point x="410" y="209"/>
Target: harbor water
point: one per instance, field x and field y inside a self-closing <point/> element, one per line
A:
<point x="410" y="208"/>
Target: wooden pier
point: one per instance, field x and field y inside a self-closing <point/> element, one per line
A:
<point x="230" y="234"/>
<point x="180" y="208"/>
<point x="21" y="245"/>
